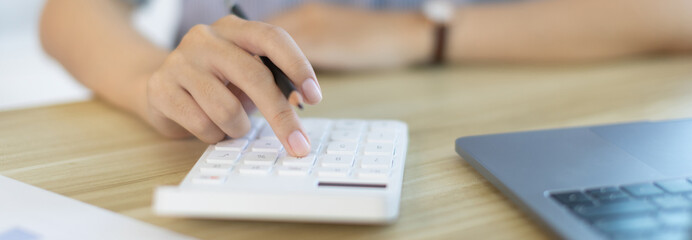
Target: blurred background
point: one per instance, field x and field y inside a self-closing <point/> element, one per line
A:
<point x="349" y="37"/>
<point x="29" y="77"/>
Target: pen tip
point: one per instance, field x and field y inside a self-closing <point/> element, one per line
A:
<point x="300" y="106"/>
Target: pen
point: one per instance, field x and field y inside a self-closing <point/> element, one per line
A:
<point x="282" y="81"/>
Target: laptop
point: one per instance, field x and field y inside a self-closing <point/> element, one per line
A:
<point x="621" y="181"/>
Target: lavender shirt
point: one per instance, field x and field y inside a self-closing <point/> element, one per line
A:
<point x="208" y="11"/>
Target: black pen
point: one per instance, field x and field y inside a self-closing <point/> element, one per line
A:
<point x="280" y="78"/>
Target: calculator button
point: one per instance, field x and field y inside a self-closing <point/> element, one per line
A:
<point x="292" y="171"/>
<point x="342" y="148"/>
<point x="254" y="170"/>
<point x="257" y="158"/>
<point x="266" y="145"/>
<point x="383" y="125"/>
<point x="336" y="160"/>
<point x="372" y="173"/>
<point x="376" y="161"/>
<point x="333" y="172"/>
<point x="349" y="125"/>
<point x="379" y="149"/>
<point x="209" y="179"/>
<point x="346" y="136"/>
<point x="222" y="157"/>
<point x="315" y="136"/>
<point x="297" y="162"/>
<point x="382" y="137"/>
<point x="231" y="145"/>
<point x="315" y="146"/>
<point x="315" y="124"/>
<point x="216" y="168"/>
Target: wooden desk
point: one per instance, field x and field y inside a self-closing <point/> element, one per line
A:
<point x="99" y="155"/>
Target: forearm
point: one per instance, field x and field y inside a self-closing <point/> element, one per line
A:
<point x="95" y="42"/>
<point x="569" y="30"/>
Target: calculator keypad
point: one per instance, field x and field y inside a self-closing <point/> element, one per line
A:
<point x="341" y="149"/>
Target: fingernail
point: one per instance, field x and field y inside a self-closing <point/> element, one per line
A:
<point x="298" y="143"/>
<point x="311" y="91"/>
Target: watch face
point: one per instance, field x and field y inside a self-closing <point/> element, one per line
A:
<point x="439" y="11"/>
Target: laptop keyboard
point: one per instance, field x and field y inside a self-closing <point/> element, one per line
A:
<point x="659" y="210"/>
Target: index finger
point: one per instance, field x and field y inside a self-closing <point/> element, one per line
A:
<point x="263" y="39"/>
<point x="255" y="80"/>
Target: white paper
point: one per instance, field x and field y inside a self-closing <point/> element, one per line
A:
<point x="31" y="213"/>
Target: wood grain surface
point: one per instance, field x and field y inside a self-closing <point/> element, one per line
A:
<point x="95" y="153"/>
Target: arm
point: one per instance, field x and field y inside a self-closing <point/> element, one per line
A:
<point x="531" y="31"/>
<point x="574" y="30"/>
<point x="206" y="87"/>
<point x="94" y="41"/>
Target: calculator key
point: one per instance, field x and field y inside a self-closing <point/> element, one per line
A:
<point x="306" y="161"/>
<point x="386" y="149"/>
<point x="336" y="161"/>
<point x="266" y="145"/>
<point x="643" y="190"/>
<point x="259" y="158"/>
<point x="254" y="170"/>
<point x="292" y="171"/>
<point x="222" y="157"/>
<point x="342" y="148"/>
<point x="315" y="147"/>
<point x="356" y="125"/>
<point x="232" y="145"/>
<point x="383" y="125"/>
<point x="315" y="137"/>
<point x="267" y="133"/>
<point x="376" y="161"/>
<point x="209" y="179"/>
<point x="372" y="173"/>
<point x="315" y="124"/>
<point x="333" y="172"/>
<point x="221" y="169"/>
<point x="345" y="135"/>
<point x="382" y="137"/>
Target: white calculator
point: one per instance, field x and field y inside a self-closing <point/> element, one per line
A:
<point x="353" y="174"/>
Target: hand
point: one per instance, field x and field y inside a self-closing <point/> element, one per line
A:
<point x="340" y="38"/>
<point x="209" y="84"/>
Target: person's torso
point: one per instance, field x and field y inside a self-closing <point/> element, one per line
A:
<point x="208" y="11"/>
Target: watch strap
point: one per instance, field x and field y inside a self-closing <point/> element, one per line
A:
<point x="440" y="44"/>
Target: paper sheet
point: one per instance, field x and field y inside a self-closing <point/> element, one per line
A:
<point x="31" y="213"/>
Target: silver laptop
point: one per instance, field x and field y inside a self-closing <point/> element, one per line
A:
<point x="623" y="181"/>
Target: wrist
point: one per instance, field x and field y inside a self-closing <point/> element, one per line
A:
<point x="440" y="13"/>
<point x="422" y="40"/>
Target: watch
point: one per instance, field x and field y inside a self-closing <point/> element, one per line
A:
<point x="439" y="12"/>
